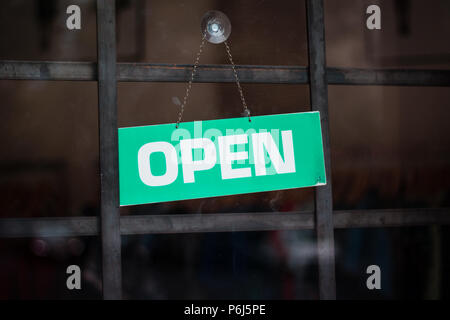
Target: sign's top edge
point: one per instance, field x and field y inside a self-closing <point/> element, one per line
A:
<point x="221" y="119"/>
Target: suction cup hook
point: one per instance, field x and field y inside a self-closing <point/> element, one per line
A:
<point x="217" y="26"/>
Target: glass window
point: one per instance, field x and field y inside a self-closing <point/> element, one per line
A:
<point x="389" y="146"/>
<point x="40" y="31"/>
<point x="411" y="35"/>
<point x="411" y="260"/>
<point x="154" y="103"/>
<point x="36" y="268"/>
<point x="231" y="265"/>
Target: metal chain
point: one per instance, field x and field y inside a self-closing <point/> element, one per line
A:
<point x="189" y="86"/>
<point x="194" y="70"/>
<point x="241" y="93"/>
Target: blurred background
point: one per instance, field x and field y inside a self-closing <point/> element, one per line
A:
<point x="390" y="148"/>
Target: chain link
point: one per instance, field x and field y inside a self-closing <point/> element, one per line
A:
<point x="194" y="70"/>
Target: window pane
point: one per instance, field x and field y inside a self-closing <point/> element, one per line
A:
<point x="36" y="268"/>
<point x="412" y="261"/>
<point x="263" y="32"/>
<point x="49" y="154"/>
<point x="412" y="34"/>
<point x="232" y="265"/>
<point x="390" y="146"/>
